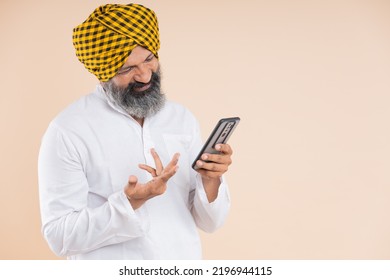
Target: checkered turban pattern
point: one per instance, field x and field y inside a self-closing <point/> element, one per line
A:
<point x="106" y="38"/>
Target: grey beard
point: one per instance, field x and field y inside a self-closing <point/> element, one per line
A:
<point x="137" y="104"/>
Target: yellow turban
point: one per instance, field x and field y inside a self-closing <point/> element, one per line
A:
<point x="105" y="40"/>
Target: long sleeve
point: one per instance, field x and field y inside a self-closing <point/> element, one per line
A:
<point x="69" y="223"/>
<point x="208" y="216"/>
<point x="88" y="153"/>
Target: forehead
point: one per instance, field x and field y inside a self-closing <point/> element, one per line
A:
<point x="138" y="55"/>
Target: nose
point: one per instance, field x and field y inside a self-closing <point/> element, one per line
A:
<point x="143" y="74"/>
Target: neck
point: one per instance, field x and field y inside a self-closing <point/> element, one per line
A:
<point x="140" y="121"/>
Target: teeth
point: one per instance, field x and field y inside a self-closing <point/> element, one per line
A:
<point x="143" y="87"/>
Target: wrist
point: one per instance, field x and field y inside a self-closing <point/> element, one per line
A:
<point x="211" y="180"/>
<point x="134" y="202"/>
<point x="211" y="187"/>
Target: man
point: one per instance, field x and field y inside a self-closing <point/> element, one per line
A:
<point x="115" y="172"/>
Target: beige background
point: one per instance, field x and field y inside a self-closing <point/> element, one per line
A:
<point x="309" y="79"/>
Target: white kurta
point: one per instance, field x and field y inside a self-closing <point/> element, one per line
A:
<point x="87" y="155"/>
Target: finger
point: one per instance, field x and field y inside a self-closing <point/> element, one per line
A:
<point x="173" y="162"/>
<point x="171" y="168"/>
<point x="209" y="174"/>
<point x="224" y="148"/>
<point x="167" y="174"/>
<point x="157" y="161"/>
<point x="132" y="180"/>
<point x="212" y="166"/>
<point x="149" y="169"/>
<point x="218" y="158"/>
<point x="135" y="190"/>
<point x="131" y="183"/>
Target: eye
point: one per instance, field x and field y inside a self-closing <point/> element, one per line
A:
<point x="149" y="58"/>
<point x="125" y="70"/>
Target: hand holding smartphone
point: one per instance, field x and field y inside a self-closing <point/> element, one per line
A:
<point x="220" y="135"/>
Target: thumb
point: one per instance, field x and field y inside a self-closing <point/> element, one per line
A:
<point x="132" y="182"/>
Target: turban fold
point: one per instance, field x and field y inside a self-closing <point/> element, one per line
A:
<point x="106" y="38"/>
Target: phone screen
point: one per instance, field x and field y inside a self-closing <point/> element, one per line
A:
<point x="220" y="135"/>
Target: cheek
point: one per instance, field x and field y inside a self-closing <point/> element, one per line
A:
<point x="121" y="81"/>
<point x="155" y="65"/>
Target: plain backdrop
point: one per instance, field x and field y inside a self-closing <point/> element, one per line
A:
<point x="309" y="79"/>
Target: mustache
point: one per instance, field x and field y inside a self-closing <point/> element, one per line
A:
<point x="134" y="102"/>
<point x="154" y="80"/>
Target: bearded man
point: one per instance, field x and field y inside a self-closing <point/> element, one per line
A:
<point x="109" y="177"/>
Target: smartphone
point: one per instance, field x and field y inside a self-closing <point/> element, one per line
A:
<point x="220" y="135"/>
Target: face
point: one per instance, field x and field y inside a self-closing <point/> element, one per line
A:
<point x="136" y="86"/>
<point x="137" y="68"/>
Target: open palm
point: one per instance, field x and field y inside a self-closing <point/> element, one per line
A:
<point x="139" y="193"/>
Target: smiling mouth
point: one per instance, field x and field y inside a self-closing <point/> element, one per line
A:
<point x="143" y="88"/>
